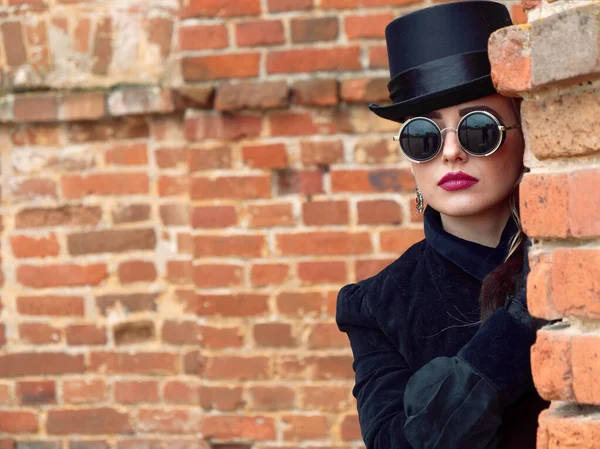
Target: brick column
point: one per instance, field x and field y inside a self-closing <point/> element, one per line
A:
<point x="553" y="63"/>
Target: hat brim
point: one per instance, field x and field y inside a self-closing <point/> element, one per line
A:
<point x="476" y="88"/>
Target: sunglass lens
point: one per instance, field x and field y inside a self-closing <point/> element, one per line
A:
<point x="479" y="133"/>
<point x="420" y="139"/>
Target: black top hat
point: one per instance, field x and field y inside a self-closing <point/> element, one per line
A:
<point x="438" y="56"/>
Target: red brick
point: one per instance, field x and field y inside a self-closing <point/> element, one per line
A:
<point x="177" y="214"/>
<point x="209" y="158"/>
<point x="134" y="332"/>
<point x="136" y="392"/>
<point x="50" y="305"/>
<point x="327" y="398"/>
<point x="382" y="180"/>
<point x="150" y="363"/>
<point x="136" y="271"/>
<point x="39" y="364"/>
<point x="86" y="335"/>
<point x="270" y="215"/>
<point x="39" y="333"/>
<point x="378" y="212"/>
<point x="584" y="208"/>
<point x="233" y="305"/>
<point x="229" y="246"/>
<point x="292" y="124"/>
<point x="299" y="304"/>
<point x="43" y="135"/>
<point x="585" y="365"/>
<point x="324" y="243"/>
<point x="369" y="26"/>
<point x="226" y="367"/>
<point x="252" y="95"/>
<point x="354" y="4"/>
<point x="259" y="32"/>
<point x="118" y="128"/>
<point x="222" y="126"/>
<point x="5" y="396"/>
<point x="269" y="274"/>
<point x="399" y="240"/>
<point x="168" y="421"/>
<point x="365" y="90"/>
<point x="544" y="202"/>
<point x="219" y="8"/>
<point x="321" y="152"/>
<point x="171" y="157"/>
<point x="179" y="271"/>
<point x="178" y="392"/>
<point x="173" y="185"/>
<point x="272" y="398"/>
<point x="133" y="154"/>
<point x="36" y="392"/>
<point x="102" y="47"/>
<point x="314" y="60"/>
<point x="322" y="272"/>
<point x="518" y="15"/>
<point x="84" y="391"/>
<point x="221" y="398"/>
<point x="130" y="213"/>
<point x="323" y="213"/>
<point x="378" y="57"/>
<point x="265" y="156"/>
<point x="61" y="275"/>
<point x="303" y="182"/>
<point x="298" y="427"/>
<point x="212" y="275"/>
<point x="563" y="427"/>
<point x="88" y="422"/>
<point x="130" y="302"/>
<point x="213" y="217"/>
<point x="316" y="92"/>
<point x="540" y="300"/>
<point x="111" y="241"/>
<point x="203" y="37"/>
<point x="194" y="363"/>
<point x="222" y="337"/>
<point x="314" y="29"/>
<point x="81" y="42"/>
<point x="576" y="282"/>
<point x="13" y="422"/>
<point x="75" y="186"/>
<point x="33" y="189"/>
<point x="551" y="365"/>
<point x="288" y="5"/>
<point x="82" y="105"/>
<point x="350" y="428"/>
<point x="61" y="216"/>
<point x="370" y="267"/>
<point x="273" y="335"/>
<point x="231" y="187"/>
<point x="369" y="151"/>
<point x="16" y="54"/>
<point x="159" y="31"/>
<point x="25" y="246"/>
<point x="223" y="66"/>
<point x="238" y="427"/>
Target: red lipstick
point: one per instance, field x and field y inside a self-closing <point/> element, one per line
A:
<point x="457" y="181"/>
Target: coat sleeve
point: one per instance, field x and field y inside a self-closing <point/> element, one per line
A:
<point x="451" y="402"/>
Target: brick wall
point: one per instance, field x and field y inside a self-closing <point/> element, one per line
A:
<point x="184" y="190"/>
<point x="552" y="63"/>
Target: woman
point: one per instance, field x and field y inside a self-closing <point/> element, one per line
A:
<point x="441" y="337"/>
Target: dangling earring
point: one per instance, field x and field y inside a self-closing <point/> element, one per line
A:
<point x="419" y="201"/>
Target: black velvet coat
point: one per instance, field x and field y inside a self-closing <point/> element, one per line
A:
<point x="428" y="374"/>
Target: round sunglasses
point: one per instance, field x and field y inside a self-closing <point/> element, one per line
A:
<point x="479" y="133"/>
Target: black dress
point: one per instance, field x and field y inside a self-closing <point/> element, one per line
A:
<point x="428" y="375"/>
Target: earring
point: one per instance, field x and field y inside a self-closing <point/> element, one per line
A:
<point x="419" y="201"/>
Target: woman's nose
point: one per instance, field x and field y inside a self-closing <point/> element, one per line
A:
<point x="452" y="151"/>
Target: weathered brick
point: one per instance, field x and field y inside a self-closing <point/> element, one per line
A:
<point x="61" y="216"/>
<point x="270" y="215"/>
<point x="103" y="131"/>
<point x="544" y="204"/>
<point x="225" y="66"/>
<point x="376" y="151"/>
<point x="265" y="156"/>
<point x="365" y="90"/>
<point x="168" y="421"/>
<point x="299" y="427"/>
<point x="260" y="428"/>
<point x="130" y="302"/>
<point x="272" y="398"/>
<point x="219" y="8"/>
<point x="551" y="365"/>
<point x="50" y="305"/>
<point x="382" y="180"/>
<point x="252" y="95"/>
<point x="82" y="106"/>
<point x="40" y="364"/>
<point x="111" y="241"/>
<point x="224" y="127"/>
<point x="130" y="213"/>
<point x="140" y="100"/>
<point x="133" y="154"/>
<point x="25" y="246"/>
<point x="510" y="57"/>
<point x="35" y="108"/>
<point x="203" y="37"/>
<point x="565" y="426"/>
<point x="259" y="32"/>
<point x="36" y="392"/>
<point x="314" y="60"/>
<point x="23" y="190"/>
<point x="134" y="332"/>
<point x="149" y="363"/>
<point x="84" y="391"/>
<point x="584" y="206"/>
<point x="323" y="213"/>
<point x="231" y="187"/>
<point x="316" y="92"/>
<point x="273" y="335"/>
<point x="321" y="152"/>
<point x="355" y="4"/>
<point x="77" y="186"/>
<point x="96" y="421"/>
<point x="61" y="275"/>
<point x="298" y="304"/>
<point x="173" y="185"/>
<point x="103" y="47"/>
<point x="14" y="45"/>
<point x="213" y="275"/>
<point x="585" y="365"/>
<point x="314" y="29"/>
<point x="177" y="214"/>
<point x="159" y="32"/>
<point x="39" y="333"/>
<point x="233" y="305"/>
<point x="303" y="182"/>
<point x="325" y="399"/>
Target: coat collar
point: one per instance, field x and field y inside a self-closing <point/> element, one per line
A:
<point x="476" y="259"/>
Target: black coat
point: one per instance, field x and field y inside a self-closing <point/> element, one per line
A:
<point x="428" y="375"/>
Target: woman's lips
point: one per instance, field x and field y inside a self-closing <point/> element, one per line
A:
<point x="457" y="181"/>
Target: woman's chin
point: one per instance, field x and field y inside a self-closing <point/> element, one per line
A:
<point x="461" y="206"/>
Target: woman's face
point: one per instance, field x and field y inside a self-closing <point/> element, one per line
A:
<point x="496" y="174"/>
